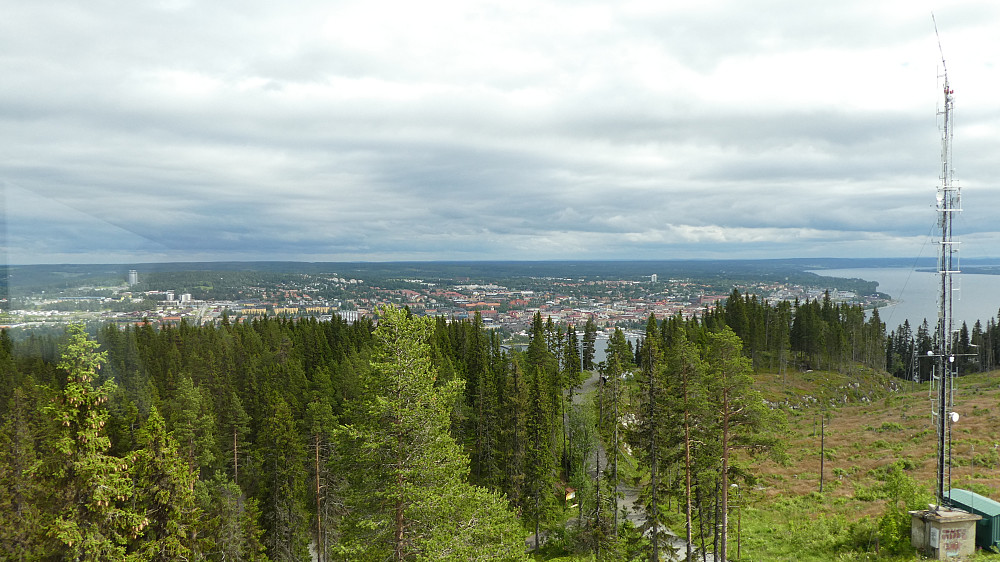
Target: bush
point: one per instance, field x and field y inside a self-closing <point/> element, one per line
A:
<point x="888" y="426"/>
<point x="988" y="459"/>
<point x="891" y="531"/>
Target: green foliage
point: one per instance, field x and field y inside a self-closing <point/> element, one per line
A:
<point x="193" y="424"/>
<point x="582" y="444"/>
<point x="291" y="430"/>
<point x="167" y="497"/>
<point x="886" y="427"/>
<point x="230" y="530"/>
<point x="282" y="485"/>
<point x="21" y="533"/>
<point x="406" y="497"/>
<point x="891" y="531"/>
<point x="89" y="512"/>
<point x="987" y="459"/>
<point x="589" y="344"/>
<point x="256" y="403"/>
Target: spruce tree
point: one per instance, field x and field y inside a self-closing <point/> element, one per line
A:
<point x="589" y="344"/>
<point x="89" y="512"/>
<point x="539" y="453"/>
<point x="571" y="359"/>
<point x="514" y="405"/>
<point x="165" y="492"/>
<point x="649" y="434"/>
<point x="21" y="532"/>
<point x="281" y="483"/>
<point x="230" y="528"/>
<point x="193" y="424"/>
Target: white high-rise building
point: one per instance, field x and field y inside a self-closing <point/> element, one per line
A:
<point x="652" y="278"/>
<point x="133" y="277"/>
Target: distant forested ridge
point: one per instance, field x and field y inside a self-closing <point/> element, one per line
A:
<point x="192" y="274"/>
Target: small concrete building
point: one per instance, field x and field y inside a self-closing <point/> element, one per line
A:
<point x="943" y="534"/>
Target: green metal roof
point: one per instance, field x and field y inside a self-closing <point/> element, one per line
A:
<point x="980" y="505"/>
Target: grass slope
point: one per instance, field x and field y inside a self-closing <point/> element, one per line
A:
<point x="872" y="423"/>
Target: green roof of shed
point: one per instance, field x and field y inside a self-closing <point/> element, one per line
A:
<point x="980" y="505"/>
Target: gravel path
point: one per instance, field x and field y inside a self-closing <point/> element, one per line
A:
<point x="628" y="495"/>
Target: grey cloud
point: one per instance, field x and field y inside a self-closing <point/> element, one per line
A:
<point x="252" y="130"/>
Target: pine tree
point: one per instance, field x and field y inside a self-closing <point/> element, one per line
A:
<point x="741" y="415"/>
<point x="406" y="495"/>
<point x="235" y="424"/>
<point x="321" y="423"/>
<point x="584" y="442"/>
<point x="616" y="365"/>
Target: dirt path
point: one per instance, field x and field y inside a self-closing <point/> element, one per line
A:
<point x="628" y="495"/>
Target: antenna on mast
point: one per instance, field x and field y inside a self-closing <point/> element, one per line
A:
<point x="945" y="370"/>
<point x="936" y="34"/>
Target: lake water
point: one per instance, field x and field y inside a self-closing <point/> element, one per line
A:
<point x="601" y="345"/>
<point x="977" y="297"/>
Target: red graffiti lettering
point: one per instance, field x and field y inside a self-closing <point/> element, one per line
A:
<point x="953" y="534"/>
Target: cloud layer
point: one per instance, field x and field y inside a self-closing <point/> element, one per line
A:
<point x="384" y="130"/>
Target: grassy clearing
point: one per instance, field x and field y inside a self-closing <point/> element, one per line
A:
<point x="863" y="436"/>
<point x="872" y="423"/>
<point x="788" y="519"/>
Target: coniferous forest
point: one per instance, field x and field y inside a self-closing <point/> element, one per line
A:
<point x="404" y="438"/>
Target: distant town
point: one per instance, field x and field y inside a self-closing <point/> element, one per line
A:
<point x="210" y="297"/>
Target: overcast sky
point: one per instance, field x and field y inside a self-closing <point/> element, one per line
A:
<point x="326" y="130"/>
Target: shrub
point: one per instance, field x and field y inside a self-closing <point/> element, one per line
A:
<point x="988" y="459"/>
<point x="889" y="426"/>
<point x="891" y="532"/>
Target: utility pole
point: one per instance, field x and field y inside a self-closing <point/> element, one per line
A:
<point x="822" y="449"/>
<point x="739" y="518"/>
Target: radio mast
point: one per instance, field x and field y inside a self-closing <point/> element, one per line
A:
<point x="942" y="380"/>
